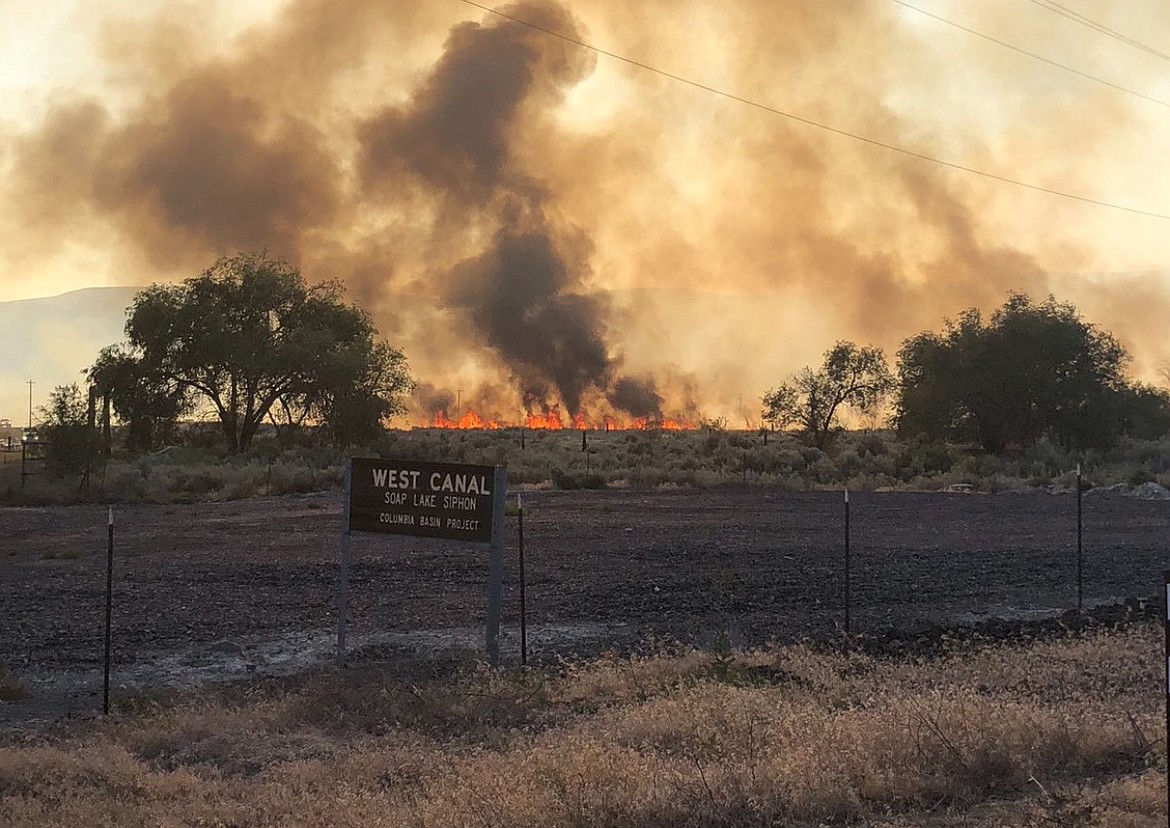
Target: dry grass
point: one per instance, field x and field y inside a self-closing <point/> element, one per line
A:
<point x="1051" y="733"/>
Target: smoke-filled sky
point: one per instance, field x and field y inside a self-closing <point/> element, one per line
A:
<point x="537" y="223"/>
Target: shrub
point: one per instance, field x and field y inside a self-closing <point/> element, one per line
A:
<point x="871" y="444"/>
<point x="1141" y="476"/>
<point x="578" y="480"/>
<point x="11" y="689"/>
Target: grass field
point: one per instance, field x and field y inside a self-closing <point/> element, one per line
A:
<point x="1048" y="733"/>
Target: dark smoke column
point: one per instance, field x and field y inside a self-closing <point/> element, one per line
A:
<point x="523" y="294"/>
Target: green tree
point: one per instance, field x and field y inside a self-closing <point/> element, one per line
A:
<point x="363" y="388"/>
<point x="72" y="443"/>
<point x="849" y="378"/>
<point x="248" y="335"/>
<point x="1145" y="411"/>
<point x="1029" y="371"/>
<point x="148" y="403"/>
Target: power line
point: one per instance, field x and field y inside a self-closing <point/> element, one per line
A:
<point x="817" y="124"/>
<point x="1089" y="23"/>
<point x="1032" y="55"/>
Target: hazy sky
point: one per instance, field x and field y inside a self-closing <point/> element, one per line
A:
<point x="569" y="228"/>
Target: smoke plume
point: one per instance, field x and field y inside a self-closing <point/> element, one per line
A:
<point x="457" y="139"/>
<point x="538" y="225"/>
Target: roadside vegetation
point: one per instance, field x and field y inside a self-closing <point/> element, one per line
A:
<point x="858" y="461"/>
<point x="245" y="381"/>
<point x="197" y="469"/>
<point x="1043" y="732"/>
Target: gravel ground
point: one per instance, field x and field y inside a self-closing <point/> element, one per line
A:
<point x="222" y="590"/>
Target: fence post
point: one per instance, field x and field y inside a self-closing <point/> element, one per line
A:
<point x="1166" y="659"/>
<point x="523" y="601"/>
<point x="109" y="614"/>
<point x="848" y="625"/>
<point x="1080" y="548"/>
<point x="343" y="577"/>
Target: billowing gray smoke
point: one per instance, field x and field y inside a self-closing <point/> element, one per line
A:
<point x="514" y="295"/>
<point x="529" y="229"/>
<point x="524" y="293"/>
<point x="434" y="399"/>
<point x="639" y="397"/>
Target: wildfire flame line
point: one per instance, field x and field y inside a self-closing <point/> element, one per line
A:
<point x="551" y="420"/>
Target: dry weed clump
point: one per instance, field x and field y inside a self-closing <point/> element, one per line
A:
<point x="214" y="739"/>
<point x="1047" y="733"/>
<point x="614" y="679"/>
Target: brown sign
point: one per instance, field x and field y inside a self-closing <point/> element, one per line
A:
<point x="429" y="500"/>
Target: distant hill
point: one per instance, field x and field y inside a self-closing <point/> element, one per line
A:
<point x="52" y="340"/>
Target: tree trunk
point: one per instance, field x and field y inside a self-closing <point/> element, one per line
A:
<point x="228" y="423"/>
<point x="107" y="432"/>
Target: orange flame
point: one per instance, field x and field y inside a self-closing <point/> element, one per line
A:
<point x="470" y="420"/>
<point x="551" y="420"/>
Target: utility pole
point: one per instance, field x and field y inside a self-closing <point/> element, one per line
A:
<point x="30" y="388"/>
<point x="458" y="403"/>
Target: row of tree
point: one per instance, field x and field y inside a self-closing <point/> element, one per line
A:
<point x="248" y="341"/>
<point x="1027" y="372"/>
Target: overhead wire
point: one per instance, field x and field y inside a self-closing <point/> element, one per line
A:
<point x="1032" y="55"/>
<point x="731" y="96"/>
<point x="1088" y="22"/>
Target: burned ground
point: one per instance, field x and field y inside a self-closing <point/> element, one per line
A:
<point x="604" y="569"/>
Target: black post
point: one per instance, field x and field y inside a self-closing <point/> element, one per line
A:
<point x="521" y="436"/>
<point x="584" y="440"/>
<point x="343" y="575"/>
<point x="109" y="614"/>
<point x="1080" y="548"/>
<point x="523" y="600"/>
<point x="848" y="625"/>
<point x="1166" y="659"/>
